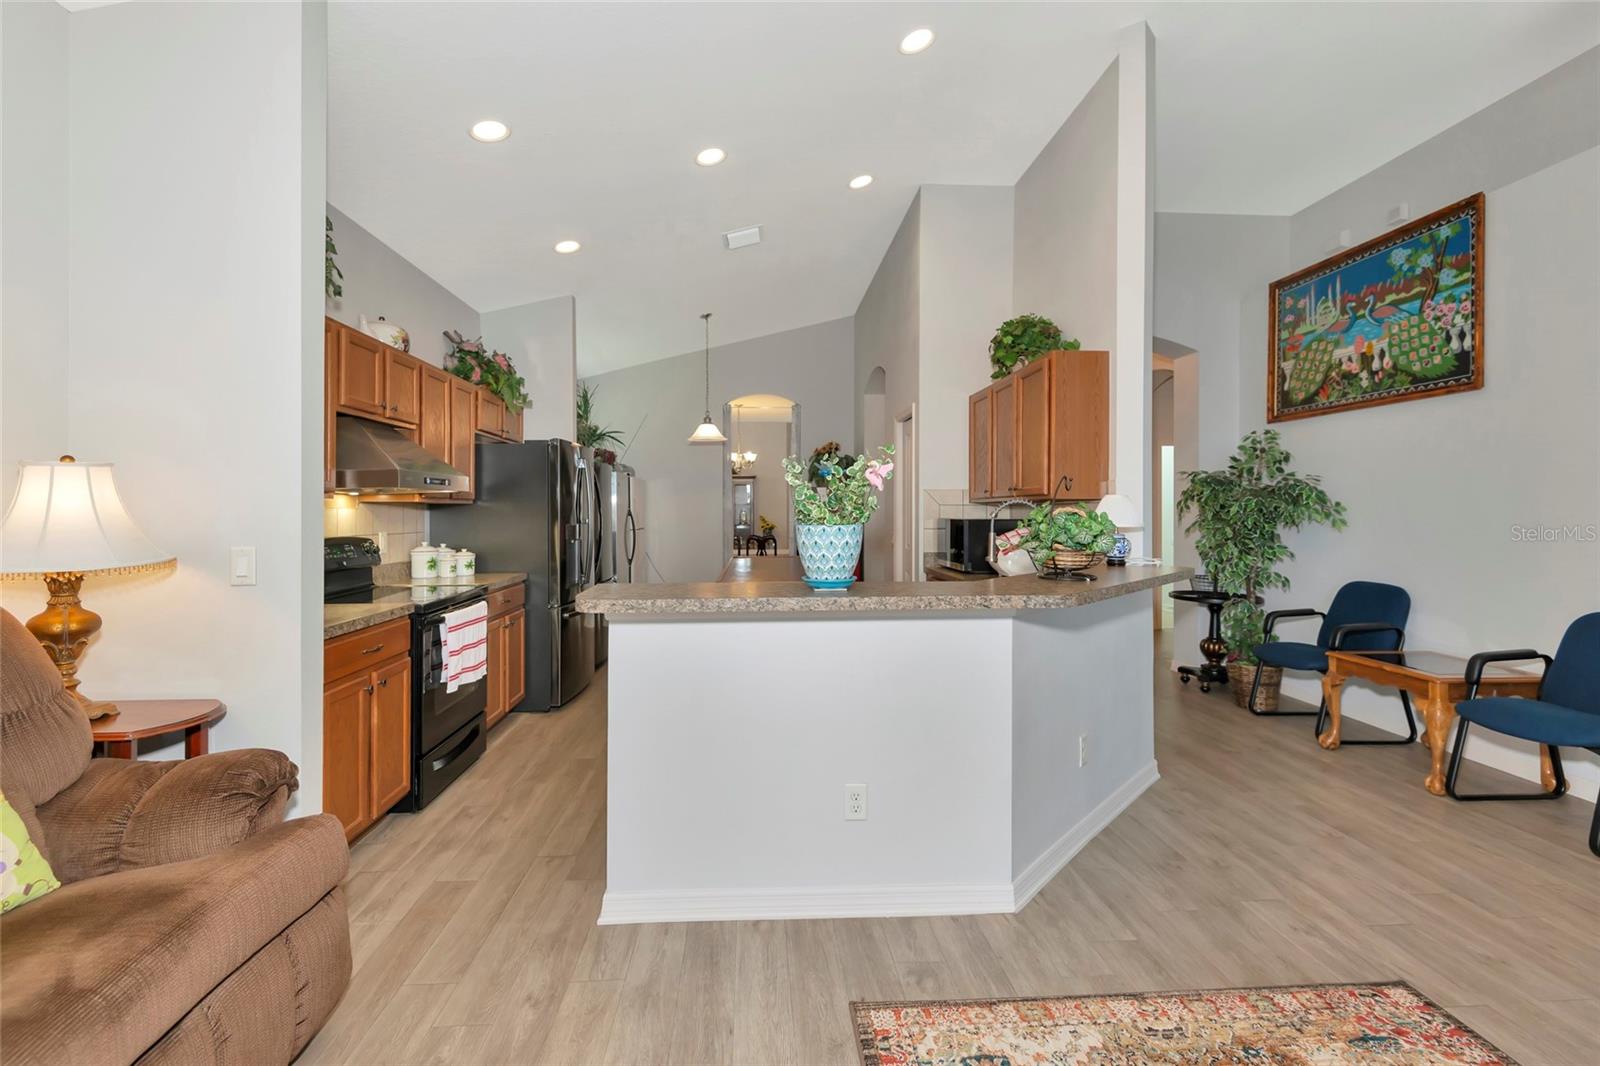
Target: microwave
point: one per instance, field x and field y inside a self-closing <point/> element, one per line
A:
<point x="967" y="542"/>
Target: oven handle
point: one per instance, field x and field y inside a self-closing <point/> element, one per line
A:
<point x="456" y="752"/>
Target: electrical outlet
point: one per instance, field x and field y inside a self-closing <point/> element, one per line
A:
<point x="1083" y="749"/>
<point x="855" y="803"/>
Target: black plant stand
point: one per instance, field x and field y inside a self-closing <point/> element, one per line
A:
<point x="1212" y="646"/>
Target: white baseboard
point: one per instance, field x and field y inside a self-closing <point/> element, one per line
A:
<point x="756" y="904"/>
<point x="1047" y="865"/>
<point x="873" y="901"/>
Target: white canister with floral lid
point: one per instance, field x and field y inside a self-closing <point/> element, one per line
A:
<point x="447" y="563"/>
<point x="424" y="563"/>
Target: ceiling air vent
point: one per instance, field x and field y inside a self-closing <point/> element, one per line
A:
<point x="742" y="238"/>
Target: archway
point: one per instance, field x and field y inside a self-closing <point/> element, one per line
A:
<point x="877" y="549"/>
<point x="762" y="429"/>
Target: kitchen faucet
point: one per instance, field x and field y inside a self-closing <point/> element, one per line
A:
<point x="991" y="558"/>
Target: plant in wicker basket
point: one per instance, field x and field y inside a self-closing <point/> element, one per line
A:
<point x="1068" y="536"/>
<point x="1241" y="514"/>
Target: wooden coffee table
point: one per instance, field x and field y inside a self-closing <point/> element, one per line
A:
<point x="137" y="719"/>
<point x="1437" y="682"/>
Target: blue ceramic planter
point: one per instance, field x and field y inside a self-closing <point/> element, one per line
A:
<point x="829" y="554"/>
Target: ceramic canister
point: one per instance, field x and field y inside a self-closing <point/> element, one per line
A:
<point x="447" y="563"/>
<point x="466" y="564"/>
<point x="424" y="563"/>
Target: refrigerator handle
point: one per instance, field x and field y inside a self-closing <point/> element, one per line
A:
<point x="599" y="520"/>
<point x="632" y="541"/>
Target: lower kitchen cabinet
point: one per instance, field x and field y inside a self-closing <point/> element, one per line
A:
<point x="366" y="727"/>
<point x="508" y="652"/>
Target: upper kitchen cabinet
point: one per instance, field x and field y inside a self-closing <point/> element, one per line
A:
<point x="463" y="429"/>
<point x="433" y="426"/>
<point x="1048" y="421"/>
<point x="491" y="414"/>
<point x="372" y="379"/>
<point x="402" y="387"/>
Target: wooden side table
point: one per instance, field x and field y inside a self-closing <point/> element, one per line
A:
<point x="1438" y="682"/>
<point x="137" y="719"/>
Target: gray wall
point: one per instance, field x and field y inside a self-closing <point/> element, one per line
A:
<point x="682" y="482"/>
<point x="33" y="217"/>
<point x="1065" y="227"/>
<point x="887" y="335"/>
<point x="541" y="339"/>
<point x="379" y="281"/>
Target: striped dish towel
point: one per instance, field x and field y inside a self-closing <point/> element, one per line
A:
<point x="464" y="638"/>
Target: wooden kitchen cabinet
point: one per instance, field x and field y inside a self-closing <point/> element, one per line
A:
<point x="980" y="445"/>
<point x="491" y="414"/>
<point x="402" y="386"/>
<point x="433" y="424"/>
<point x="495" y="705"/>
<point x="330" y="417"/>
<point x="507" y="651"/>
<point x="359" y="377"/>
<point x="516" y="648"/>
<point x="366" y="724"/>
<point x="1050" y="420"/>
<point x="463" y="434"/>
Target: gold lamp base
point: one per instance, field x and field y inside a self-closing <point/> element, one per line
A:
<point x="64" y="628"/>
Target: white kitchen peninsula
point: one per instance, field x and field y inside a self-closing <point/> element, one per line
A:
<point x="997" y="726"/>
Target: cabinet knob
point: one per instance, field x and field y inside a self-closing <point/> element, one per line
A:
<point x="384" y="683"/>
<point x="369" y="688"/>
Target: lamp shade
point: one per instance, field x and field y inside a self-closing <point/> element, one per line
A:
<point x="1120" y="510"/>
<point x="707" y="433"/>
<point x="66" y="517"/>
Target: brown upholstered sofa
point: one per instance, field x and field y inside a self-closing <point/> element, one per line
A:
<point x="193" y="924"/>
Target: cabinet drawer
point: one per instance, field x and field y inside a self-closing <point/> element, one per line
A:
<point x="365" y="648"/>
<point x="503" y="600"/>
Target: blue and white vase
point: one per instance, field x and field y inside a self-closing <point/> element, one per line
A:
<point x="829" y="554"/>
<point x="1120" y="546"/>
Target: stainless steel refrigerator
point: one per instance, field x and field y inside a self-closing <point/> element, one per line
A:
<point x="619" y="555"/>
<point x="536" y="510"/>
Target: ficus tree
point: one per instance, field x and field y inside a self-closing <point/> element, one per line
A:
<point x="1240" y="515"/>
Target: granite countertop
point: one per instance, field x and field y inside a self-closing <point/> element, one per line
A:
<point x="933" y="566"/>
<point x="341" y="618"/>
<point x="755" y="593"/>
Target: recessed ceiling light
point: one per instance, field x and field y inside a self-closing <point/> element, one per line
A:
<point x="916" y="41"/>
<point x="710" y="157"/>
<point x="567" y="247"/>
<point x="861" y="181"/>
<point x="490" y="130"/>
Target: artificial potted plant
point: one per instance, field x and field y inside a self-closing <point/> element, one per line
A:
<point x="590" y="435"/>
<point x="1021" y="340"/>
<point x="1067" y="536"/>
<point x="835" y="495"/>
<point x="1241" y="513"/>
<point x="493" y="370"/>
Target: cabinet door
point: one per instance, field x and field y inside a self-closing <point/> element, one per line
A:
<point x="330" y="363"/>
<point x="433" y="427"/>
<point x="1005" y="437"/>
<point x="402" y="387"/>
<point x="463" y="433"/>
<point x="360" y="377"/>
<point x="514" y="426"/>
<point x="980" y="445"/>
<point x="516" y="652"/>
<point x="1080" y="432"/>
<point x="390" y="766"/>
<point x="1033" y="430"/>
<point x="346" y="718"/>
<point x="491" y="414"/>
<point x="495" y="697"/>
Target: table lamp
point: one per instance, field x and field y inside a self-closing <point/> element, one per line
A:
<point x="66" y="520"/>
<point x="1123" y="515"/>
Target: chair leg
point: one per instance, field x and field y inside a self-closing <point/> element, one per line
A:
<point x="1411" y="726"/>
<point x="1455" y="773"/>
<point x="1250" y="704"/>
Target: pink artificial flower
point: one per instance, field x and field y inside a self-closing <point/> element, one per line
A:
<point x="505" y="364"/>
<point x="477" y="374"/>
<point x="877" y="473"/>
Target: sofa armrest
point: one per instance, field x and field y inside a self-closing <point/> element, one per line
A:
<point x="124" y="814"/>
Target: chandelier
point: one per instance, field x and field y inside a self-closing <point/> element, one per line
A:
<point x="741" y="461"/>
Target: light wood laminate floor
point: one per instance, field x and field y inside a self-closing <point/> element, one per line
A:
<point x="1257" y="859"/>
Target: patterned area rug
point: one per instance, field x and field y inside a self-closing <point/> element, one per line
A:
<point x="1301" y="1025"/>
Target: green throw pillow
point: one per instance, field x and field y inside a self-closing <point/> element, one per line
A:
<point x="24" y="873"/>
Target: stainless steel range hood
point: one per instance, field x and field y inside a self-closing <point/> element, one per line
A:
<point x="374" y="459"/>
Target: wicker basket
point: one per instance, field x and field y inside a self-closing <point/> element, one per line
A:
<point x="1070" y="560"/>
<point x="1240" y="677"/>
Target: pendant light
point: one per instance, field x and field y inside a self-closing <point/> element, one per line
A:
<point x="707" y="432"/>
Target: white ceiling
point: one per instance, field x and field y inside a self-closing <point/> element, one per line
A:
<point x="1261" y="108"/>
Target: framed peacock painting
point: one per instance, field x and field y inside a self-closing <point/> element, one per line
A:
<point x="1397" y="318"/>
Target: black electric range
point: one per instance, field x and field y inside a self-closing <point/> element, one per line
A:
<point x="447" y="728"/>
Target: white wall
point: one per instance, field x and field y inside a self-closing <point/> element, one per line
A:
<point x="887" y="335"/>
<point x="33" y="218"/>
<point x="196" y="351"/>
<point x="541" y="339"/>
<point x="683" y="482"/>
<point x="380" y="281"/>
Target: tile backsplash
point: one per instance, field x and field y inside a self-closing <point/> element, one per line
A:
<point x="940" y="504"/>
<point x="398" y="527"/>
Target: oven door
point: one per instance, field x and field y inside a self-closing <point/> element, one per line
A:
<point x="440" y="714"/>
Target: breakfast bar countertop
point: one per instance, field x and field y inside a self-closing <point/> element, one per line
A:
<point x="341" y="618"/>
<point x="771" y="585"/>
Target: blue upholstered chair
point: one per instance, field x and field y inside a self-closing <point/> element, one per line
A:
<point x="1566" y="712"/>
<point x="1364" y="616"/>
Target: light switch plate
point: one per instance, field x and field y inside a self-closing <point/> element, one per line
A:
<point x="241" y="566"/>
